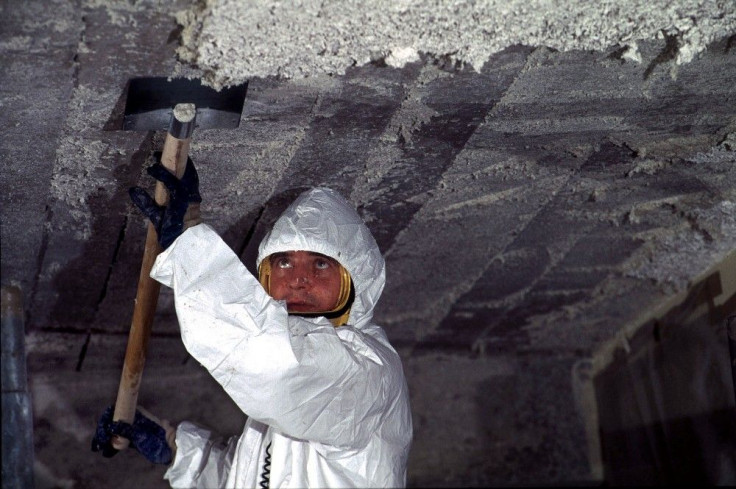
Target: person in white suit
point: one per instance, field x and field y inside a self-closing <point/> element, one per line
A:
<point x="324" y="392"/>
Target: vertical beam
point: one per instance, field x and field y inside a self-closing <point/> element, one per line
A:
<point x="731" y="326"/>
<point x="17" y="451"/>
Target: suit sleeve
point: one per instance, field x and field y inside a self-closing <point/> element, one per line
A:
<point x="202" y="460"/>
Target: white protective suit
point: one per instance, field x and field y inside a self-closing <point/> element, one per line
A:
<point x="331" y="402"/>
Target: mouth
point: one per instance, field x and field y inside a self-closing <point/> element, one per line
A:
<point x="299" y="306"/>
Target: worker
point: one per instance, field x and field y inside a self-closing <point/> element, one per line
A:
<point x="296" y="349"/>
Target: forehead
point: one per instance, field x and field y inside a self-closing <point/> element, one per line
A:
<point x="300" y="254"/>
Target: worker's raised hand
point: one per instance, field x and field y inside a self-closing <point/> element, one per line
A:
<point x="145" y="435"/>
<point x="171" y="220"/>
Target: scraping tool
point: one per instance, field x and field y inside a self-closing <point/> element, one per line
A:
<point x="177" y="106"/>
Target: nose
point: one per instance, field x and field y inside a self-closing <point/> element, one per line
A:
<point x="299" y="280"/>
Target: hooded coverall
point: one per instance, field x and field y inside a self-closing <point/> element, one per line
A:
<point x="331" y="404"/>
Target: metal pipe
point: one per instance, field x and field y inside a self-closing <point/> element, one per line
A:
<point x="17" y="414"/>
<point x="731" y="329"/>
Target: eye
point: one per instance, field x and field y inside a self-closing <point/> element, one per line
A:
<point x="321" y="264"/>
<point x="282" y="262"/>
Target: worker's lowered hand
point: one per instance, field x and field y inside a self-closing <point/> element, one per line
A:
<point x="149" y="436"/>
<point x="171" y="220"/>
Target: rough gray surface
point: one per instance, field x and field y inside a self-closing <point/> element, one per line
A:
<point x="232" y="41"/>
<point x="533" y="205"/>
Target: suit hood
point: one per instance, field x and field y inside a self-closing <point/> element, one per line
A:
<point x="322" y="221"/>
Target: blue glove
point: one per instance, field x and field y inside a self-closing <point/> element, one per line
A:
<point x="169" y="220"/>
<point x="145" y="435"/>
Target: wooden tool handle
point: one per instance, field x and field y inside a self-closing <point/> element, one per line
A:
<point x="174" y="158"/>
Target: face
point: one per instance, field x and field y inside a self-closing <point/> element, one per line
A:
<point x="307" y="281"/>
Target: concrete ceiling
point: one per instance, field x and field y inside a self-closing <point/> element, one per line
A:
<point x="530" y="211"/>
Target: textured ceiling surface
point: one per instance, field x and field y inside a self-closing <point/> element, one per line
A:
<point x="230" y="41"/>
<point x="528" y="209"/>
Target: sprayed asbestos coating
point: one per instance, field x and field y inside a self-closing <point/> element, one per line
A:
<point x="232" y="40"/>
<point x="675" y="257"/>
<point x="216" y="37"/>
<point x="82" y="165"/>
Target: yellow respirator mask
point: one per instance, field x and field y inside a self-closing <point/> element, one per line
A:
<point x="338" y="315"/>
